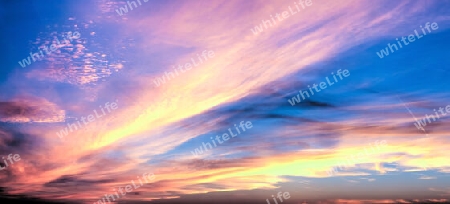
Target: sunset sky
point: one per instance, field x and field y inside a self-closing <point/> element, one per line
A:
<point x="235" y="74"/>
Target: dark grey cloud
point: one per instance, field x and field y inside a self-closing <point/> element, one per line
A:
<point x="30" y="109"/>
